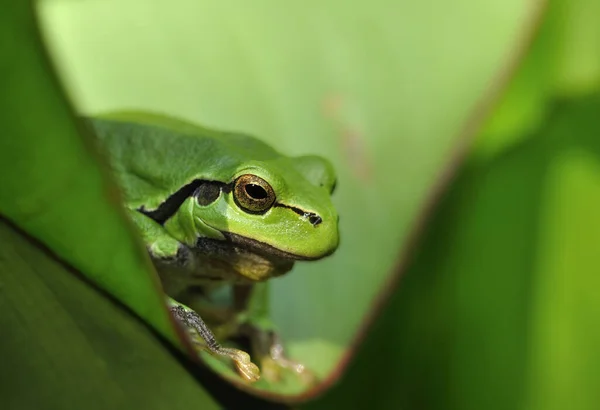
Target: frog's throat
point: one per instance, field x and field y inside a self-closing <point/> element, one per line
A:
<point x="226" y="260"/>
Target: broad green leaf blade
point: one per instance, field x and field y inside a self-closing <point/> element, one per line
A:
<point x="565" y="337"/>
<point x="499" y="310"/>
<point x="564" y="60"/>
<point x="63" y="343"/>
<point x="382" y="88"/>
<point x="66" y="345"/>
<point x="52" y="186"/>
<point x="578" y="64"/>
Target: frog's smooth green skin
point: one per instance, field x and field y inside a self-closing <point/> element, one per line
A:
<point x="217" y="208"/>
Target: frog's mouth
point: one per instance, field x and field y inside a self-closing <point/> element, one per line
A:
<point x="263" y="248"/>
<point x="241" y="259"/>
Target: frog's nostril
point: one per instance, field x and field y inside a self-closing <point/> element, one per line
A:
<point x="315" y="219"/>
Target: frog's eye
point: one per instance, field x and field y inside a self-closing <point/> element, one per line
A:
<point x="253" y="193"/>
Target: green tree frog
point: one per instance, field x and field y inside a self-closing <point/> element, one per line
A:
<point x="222" y="209"/>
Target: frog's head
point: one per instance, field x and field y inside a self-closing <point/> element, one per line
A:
<point x="271" y="213"/>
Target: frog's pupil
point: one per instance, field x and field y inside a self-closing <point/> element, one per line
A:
<point x="256" y="191"/>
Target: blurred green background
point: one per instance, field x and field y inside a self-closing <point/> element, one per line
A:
<point x="465" y="136"/>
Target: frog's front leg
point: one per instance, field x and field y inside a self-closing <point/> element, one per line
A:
<point x="253" y="304"/>
<point x="161" y="246"/>
<point x="197" y="328"/>
<point x="169" y="254"/>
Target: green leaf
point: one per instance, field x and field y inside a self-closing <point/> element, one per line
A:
<point x="498" y="308"/>
<point x="563" y="60"/>
<point x="386" y="91"/>
<point x="66" y="345"/>
<point x="54" y="188"/>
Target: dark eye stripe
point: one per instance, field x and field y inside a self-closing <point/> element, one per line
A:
<point x="313" y="218"/>
<point x="207" y="192"/>
<point x="170" y="206"/>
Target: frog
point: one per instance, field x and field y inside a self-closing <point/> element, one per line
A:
<point x="221" y="209"/>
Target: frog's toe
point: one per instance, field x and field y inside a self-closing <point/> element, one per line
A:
<point x="271" y="370"/>
<point x="276" y="363"/>
<point x="248" y="370"/>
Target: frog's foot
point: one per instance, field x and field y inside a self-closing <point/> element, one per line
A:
<point x="204" y="339"/>
<point x="274" y="361"/>
<point x="248" y="370"/>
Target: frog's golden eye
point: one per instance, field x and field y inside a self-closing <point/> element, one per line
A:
<point x="253" y="193"/>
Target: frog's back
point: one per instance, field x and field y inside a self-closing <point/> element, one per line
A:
<point x="152" y="162"/>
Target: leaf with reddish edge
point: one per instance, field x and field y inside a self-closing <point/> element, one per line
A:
<point x="319" y="83"/>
